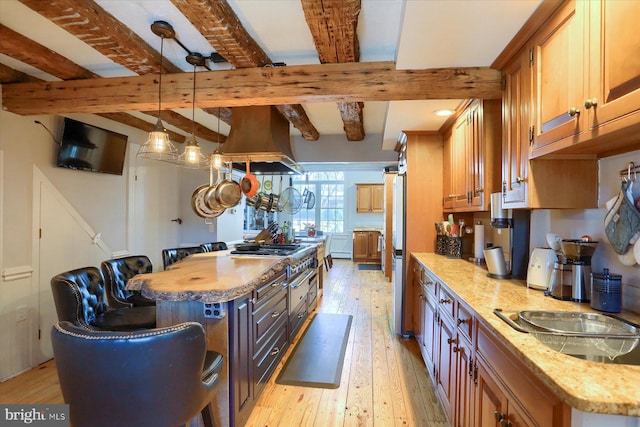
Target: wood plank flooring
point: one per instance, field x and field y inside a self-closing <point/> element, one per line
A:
<point x="384" y="380"/>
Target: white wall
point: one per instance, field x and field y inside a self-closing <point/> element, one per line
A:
<point x="132" y="213"/>
<point x="572" y="224"/>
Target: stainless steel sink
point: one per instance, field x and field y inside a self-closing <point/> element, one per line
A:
<point x="591" y="336"/>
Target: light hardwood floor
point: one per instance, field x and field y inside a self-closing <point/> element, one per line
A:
<point x="384" y="380"/>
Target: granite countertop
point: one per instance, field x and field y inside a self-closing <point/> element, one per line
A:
<point x="585" y="385"/>
<point x="211" y="277"/>
<point x="367" y="228"/>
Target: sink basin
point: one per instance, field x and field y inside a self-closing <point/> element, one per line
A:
<point x="591" y="336"/>
<point x="589" y="324"/>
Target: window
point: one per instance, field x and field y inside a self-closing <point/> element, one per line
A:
<point x="328" y="212"/>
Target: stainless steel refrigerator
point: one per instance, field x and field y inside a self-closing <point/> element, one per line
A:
<point x="398" y="254"/>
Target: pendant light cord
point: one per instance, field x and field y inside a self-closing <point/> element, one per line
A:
<point x="193" y="102"/>
<point x="160" y="77"/>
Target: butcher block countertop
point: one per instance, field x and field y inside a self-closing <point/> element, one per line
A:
<point x="585" y="385"/>
<point x="210" y="277"/>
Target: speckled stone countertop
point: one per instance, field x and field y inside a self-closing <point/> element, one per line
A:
<point x="585" y="385"/>
<point x="211" y="277"/>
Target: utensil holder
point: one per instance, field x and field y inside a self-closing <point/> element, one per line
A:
<point x="454" y="247"/>
<point x="441" y="244"/>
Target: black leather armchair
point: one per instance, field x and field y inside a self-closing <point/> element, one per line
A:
<point x="117" y="272"/>
<point x="173" y="255"/>
<point x="156" y="378"/>
<point x="79" y="299"/>
<point x="214" y="246"/>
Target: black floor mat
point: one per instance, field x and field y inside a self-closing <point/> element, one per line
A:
<point x="317" y="359"/>
<point x="369" y="267"/>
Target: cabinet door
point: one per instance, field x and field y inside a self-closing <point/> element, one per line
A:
<point x="363" y="198"/>
<point x="445" y="384"/>
<point x="241" y="363"/>
<point x="475" y="150"/>
<point x="374" y="254"/>
<point x="377" y="198"/>
<point x="491" y="403"/>
<point x="429" y="331"/>
<point x="559" y="63"/>
<point x="464" y="384"/>
<point x="460" y="161"/>
<point x="360" y="245"/>
<point x="516" y="131"/>
<point x="614" y="60"/>
<point x="447" y="173"/>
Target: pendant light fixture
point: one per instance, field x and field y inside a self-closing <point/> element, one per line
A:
<point x="158" y="146"/>
<point x="217" y="158"/>
<point x="192" y="157"/>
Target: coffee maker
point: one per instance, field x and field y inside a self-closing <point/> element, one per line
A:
<point x="516" y="224"/>
<point x="571" y="278"/>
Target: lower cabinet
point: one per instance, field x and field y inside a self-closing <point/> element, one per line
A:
<point x="365" y="247"/>
<point x="477" y="380"/>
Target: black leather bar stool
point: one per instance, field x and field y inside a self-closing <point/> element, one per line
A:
<point x="117" y="272"/>
<point x="214" y="246"/>
<point x="173" y="255"/>
<point x="154" y="378"/>
<point x="79" y="299"/>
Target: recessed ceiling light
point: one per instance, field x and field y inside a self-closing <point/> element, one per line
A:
<point x="443" y="112"/>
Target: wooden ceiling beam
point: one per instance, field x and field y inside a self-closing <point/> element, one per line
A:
<point x="333" y="26"/>
<point x="11" y="75"/>
<point x="30" y="52"/>
<point x="87" y="21"/>
<point x="350" y="82"/>
<point x="219" y="24"/>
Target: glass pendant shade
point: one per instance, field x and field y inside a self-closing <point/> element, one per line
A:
<point x="217" y="159"/>
<point x="158" y="146"/>
<point x="191" y="157"/>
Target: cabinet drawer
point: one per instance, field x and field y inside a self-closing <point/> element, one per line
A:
<point x="296" y="318"/>
<point x="266" y="317"/>
<point x="446" y="303"/>
<point x="266" y="290"/>
<point x="464" y="320"/>
<point x="266" y="360"/>
<point x="312" y="301"/>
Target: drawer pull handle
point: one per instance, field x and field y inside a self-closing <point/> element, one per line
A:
<point x="461" y="321"/>
<point x="300" y="316"/>
<point x="445" y="301"/>
<point x="275" y="314"/>
<point x="275" y="351"/>
<point x="451" y="341"/>
<point x="574" y="111"/>
<point x="455" y="349"/>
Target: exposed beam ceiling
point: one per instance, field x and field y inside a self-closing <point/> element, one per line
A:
<point x="351" y="82"/>
<point x="333" y="27"/>
<point x="217" y="22"/>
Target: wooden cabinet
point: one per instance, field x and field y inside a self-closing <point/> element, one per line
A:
<point x="587" y="83"/>
<point x="369" y="198"/>
<point x="537" y="183"/>
<point x="472" y="167"/>
<point x="240" y="365"/>
<point x="477" y="380"/>
<point x="423" y="187"/>
<point x="365" y="247"/>
<point x="507" y="390"/>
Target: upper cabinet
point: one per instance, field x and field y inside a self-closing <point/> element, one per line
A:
<point x="587" y="79"/>
<point x="537" y="183"/>
<point x="370" y="198"/>
<point x="471" y="161"/>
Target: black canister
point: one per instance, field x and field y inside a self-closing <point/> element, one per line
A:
<point x="606" y="291"/>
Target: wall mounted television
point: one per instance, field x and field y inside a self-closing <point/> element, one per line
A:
<point x="90" y="148"/>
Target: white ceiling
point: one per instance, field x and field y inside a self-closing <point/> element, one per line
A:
<point x="413" y="33"/>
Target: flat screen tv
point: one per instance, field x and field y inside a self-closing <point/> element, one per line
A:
<point x="90" y="148"/>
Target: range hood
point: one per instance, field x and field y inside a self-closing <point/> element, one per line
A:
<point x="260" y="135"/>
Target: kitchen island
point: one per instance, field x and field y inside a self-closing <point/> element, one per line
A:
<point x="594" y="393"/>
<point x="243" y="303"/>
